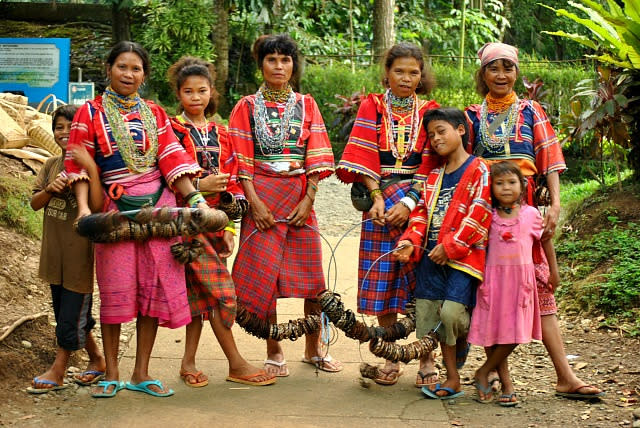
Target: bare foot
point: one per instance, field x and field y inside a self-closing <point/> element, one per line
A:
<point x="454" y="384"/>
<point x="257" y="375"/>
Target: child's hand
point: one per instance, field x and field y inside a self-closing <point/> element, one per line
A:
<point x="438" y="255"/>
<point x="397" y="215"/>
<point x="403" y="251"/>
<point x="58" y="185"/>
<point x="81" y="156"/>
<point x="554" y="280"/>
<point x="227" y="243"/>
<point x="214" y="183"/>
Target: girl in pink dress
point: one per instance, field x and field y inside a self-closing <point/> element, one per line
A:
<point x="506" y="312"/>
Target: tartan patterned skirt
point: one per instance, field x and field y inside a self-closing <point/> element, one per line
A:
<point x="209" y="284"/>
<point x="390" y="284"/>
<point x="284" y="261"/>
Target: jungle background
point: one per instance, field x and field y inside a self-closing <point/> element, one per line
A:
<point x="580" y="60"/>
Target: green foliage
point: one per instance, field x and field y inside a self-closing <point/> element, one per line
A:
<point x="15" y="208"/>
<point x="173" y="29"/>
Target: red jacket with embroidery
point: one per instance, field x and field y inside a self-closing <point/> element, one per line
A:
<point x="466" y="223"/>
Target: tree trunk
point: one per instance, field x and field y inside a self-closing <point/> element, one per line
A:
<point x="383" y="27"/>
<point x="220" y="36"/>
<point x="120" y="23"/>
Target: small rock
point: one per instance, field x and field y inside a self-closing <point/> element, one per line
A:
<point x="636" y="413"/>
<point x="636" y="424"/>
<point x="570" y="326"/>
<point x="26" y="344"/>
<point x="123" y="338"/>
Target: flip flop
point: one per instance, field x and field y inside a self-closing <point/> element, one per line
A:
<point x="97" y="377"/>
<point x="144" y="387"/>
<point x="185" y="377"/>
<point x="55" y="386"/>
<point x="391" y="381"/>
<point x="575" y="395"/>
<point x="246" y="379"/>
<point x="485" y="390"/>
<point x="451" y="393"/>
<point x="425" y="375"/>
<point x="323" y="364"/>
<point x="105" y="384"/>
<point x="279" y="365"/>
<point x="509" y="403"/>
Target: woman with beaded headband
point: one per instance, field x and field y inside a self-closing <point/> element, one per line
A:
<point x="283" y="152"/>
<point x="505" y="127"/>
<point x="136" y="151"/>
<point x="387" y="152"/>
<point x="210" y="288"/>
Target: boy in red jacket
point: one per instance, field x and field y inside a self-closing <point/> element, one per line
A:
<point x="449" y="226"/>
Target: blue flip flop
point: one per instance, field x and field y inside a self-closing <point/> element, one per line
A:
<point x="451" y="393"/>
<point x="55" y="386"/>
<point x="97" y="377"/>
<point x="105" y="384"/>
<point x="485" y="390"/>
<point x="144" y="387"/>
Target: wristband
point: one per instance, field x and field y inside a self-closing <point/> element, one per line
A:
<point x="195" y="198"/>
<point x="408" y="202"/>
<point x="413" y="194"/>
<point x="375" y="192"/>
<point x="313" y="186"/>
<point x="231" y="227"/>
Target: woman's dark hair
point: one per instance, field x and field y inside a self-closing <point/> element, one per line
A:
<point x="66" y="111"/>
<point x="188" y="66"/>
<point x="506" y="167"/>
<point x="455" y="117"/>
<point x="481" y="86"/>
<point x="127" y="46"/>
<point x="408" y="50"/>
<point x="281" y="44"/>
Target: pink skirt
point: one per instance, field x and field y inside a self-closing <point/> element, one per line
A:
<point x="142" y="278"/>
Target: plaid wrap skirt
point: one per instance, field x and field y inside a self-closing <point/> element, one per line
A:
<point x="390" y="284"/>
<point x="209" y="284"/>
<point x="284" y="261"/>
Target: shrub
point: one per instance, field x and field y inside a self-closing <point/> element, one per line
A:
<point x="15" y="208"/>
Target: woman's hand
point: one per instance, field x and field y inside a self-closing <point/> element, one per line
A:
<point x="81" y="156"/>
<point x="261" y="215"/>
<point x="214" y="183"/>
<point x="58" y="185"/>
<point x="377" y="211"/>
<point x="550" y="221"/>
<point x="397" y="215"/>
<point x="403" y="251"/>
<point x="227" y="245"/>
<point x="438" y="255"/>
<point x="300" y="214"/>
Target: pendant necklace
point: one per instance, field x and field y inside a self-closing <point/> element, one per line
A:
<point x="203" y="137"/>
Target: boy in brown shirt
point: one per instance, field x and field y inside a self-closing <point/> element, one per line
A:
<point x="66" y="262"/>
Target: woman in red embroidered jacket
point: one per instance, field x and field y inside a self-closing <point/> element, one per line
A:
<point x="505" y="127"/>
<point x="447" y="236"/>
<point x="210" y="288"/>
<point x="283" y="152"/>
<point x="135" y="149"/>
<point x="387" y="152"/>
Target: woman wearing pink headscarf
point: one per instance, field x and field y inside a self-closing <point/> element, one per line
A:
<point x="505" y="127"/>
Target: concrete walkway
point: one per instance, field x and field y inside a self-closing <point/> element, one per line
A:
<point x="305" y="399"/>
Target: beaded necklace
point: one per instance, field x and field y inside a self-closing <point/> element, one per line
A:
<point x="270" y="141"/>
<point x="389" y="100"/>
<point x="203" y="143"/>
<point x="507" y="210"/>
<point x="115" y="105"/>
<point x="497" y="144"/>
<point x="400" y="105"/>
<point x="276" y="95"/>
<point x="500" y="104"/>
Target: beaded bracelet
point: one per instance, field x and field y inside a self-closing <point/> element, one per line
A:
<point x="195" y="199"/>
<point x="414" y="194"/>
<point x="231" y="227"/>
<point x="312" y="185"/>
<point x="375" y="192"/>
<point x="408" y="202"/>
<point x="190" y="195"/>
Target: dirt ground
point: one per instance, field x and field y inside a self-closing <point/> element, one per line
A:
<point x="602" y="357"/>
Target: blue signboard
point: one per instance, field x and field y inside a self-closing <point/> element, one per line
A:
<point x="37" y="67"/>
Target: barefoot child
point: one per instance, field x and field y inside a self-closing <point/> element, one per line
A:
<point x="507" y="312"/>
<point x="449" y="225"/>
<point x="66" y="263"/>
<point x="210" y="288"/>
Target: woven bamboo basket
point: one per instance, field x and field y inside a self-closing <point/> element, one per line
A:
<point x="14" y="98"/>
<point x="42" y="136"/>
<point x="12" y="135"/>
<point x="15" y="110"/>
